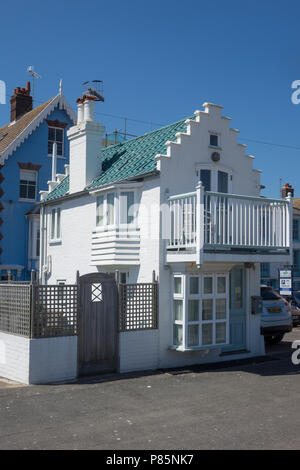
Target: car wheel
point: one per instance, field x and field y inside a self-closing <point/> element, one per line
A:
<point x="274" y="339"/>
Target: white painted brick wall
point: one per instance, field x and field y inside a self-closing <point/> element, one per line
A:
<point x="53" y="359"/>
<point x="138" y="350"/>
<point x="33" y="361"/>
<point x="14" y="357"/>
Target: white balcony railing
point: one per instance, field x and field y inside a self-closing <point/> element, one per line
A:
<point x="218" y="220"/>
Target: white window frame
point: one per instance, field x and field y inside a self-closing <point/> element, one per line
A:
<point x="24" y="199"/>
<point x="217" y="134"/>
<point x="185" y="296"/>
<point x="214" y="169"/>
<point x="57" y="236"/>
<point x="117" y="216"/>
<point x="63" y="141"/>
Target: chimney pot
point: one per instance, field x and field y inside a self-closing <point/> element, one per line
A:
<point x="287" y="190"/>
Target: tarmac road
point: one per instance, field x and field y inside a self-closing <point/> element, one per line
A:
<point x="246" y="406"/>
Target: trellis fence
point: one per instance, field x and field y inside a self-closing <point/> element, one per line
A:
<point x="43" y="311"/>
<point x="38" y="311"/>
<point x="138" y="306"/>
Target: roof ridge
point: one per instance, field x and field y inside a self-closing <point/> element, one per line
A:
<point x="148" y="133"/>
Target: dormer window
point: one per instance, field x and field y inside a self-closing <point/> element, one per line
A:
<point x="214" y="140"/>
<point x="56" y="134"/>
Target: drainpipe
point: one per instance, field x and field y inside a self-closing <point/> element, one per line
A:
<point x="43" y="247"/>
<point x="54" y="159"/>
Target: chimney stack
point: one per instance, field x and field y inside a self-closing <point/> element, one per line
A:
<point x="20" y="102"/>
<point x="286" y="190"/>
<point x="85" y="145"/>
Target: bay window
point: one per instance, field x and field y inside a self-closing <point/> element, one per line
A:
<point x="115" y="208"/>
<point x="200" y="310"/>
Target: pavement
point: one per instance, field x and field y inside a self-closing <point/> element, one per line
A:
<point x="249" y="405"/>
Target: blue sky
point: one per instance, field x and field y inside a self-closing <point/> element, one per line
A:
<point x="161" y="59"/>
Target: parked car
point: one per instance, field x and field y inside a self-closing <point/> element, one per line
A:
<point x="294" y="302"/>
<point x="276" y="319"/>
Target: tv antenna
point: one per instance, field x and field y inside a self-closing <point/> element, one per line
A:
<point x="94" y="87"/>
<point x="30" y="70"/>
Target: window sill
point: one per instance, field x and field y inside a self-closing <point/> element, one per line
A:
<point x="27" y="200"/>
<point x="197" y="348"/>
<point x="214" y="147"/>
<point x="55" y="241"/>
<point x="58" y="156"/>
<point x="117" y="228"/>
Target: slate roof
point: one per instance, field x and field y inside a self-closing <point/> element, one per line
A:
<point x="128" y="160"/>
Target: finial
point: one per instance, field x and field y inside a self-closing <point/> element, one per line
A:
<point x="60" y="86"/>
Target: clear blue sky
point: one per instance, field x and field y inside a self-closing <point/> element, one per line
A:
<point x="161" y="59"/>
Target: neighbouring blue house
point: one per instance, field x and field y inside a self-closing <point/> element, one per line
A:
<point x="25" y="167"/>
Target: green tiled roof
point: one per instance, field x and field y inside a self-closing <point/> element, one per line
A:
<point x="131" y="159"/>
<point x="61" y="189"/>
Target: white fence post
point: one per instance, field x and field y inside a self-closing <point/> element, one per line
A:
<point x="199" y="223"/>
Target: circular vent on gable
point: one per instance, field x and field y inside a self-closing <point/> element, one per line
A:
<point x="215" y="156"/>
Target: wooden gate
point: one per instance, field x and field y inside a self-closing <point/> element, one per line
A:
<point x="98" y="324"/>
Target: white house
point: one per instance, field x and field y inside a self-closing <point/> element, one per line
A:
<point x="183" y="201"/>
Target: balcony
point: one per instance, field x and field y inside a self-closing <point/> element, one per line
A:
<point x="210" y="226"/>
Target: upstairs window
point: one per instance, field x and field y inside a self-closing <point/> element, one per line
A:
<point x="55" y="226"/>
<point x="126" y="207"/>
<point x="213" y="140"/>
<point x="55" y="135"/>
<point x="28" y="180"/>
<point x="115" y="208"/>
<point x="296" y="229"/>
<point x="105" y="210"/>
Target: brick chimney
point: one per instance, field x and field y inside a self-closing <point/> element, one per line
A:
<point x="20" y="102"/>
<point x="286" y="190"/>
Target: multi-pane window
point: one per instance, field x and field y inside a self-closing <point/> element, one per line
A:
<point x="55" y="226"/>
<point x="113" y="208"/>
<point x="105" y="210"/>
<point x="200" y="310"/>
<point x="214" y="180"/>
<point x="126" y="207"/>
<point x="55" y="134"/>
<point x="28" y="181"/>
